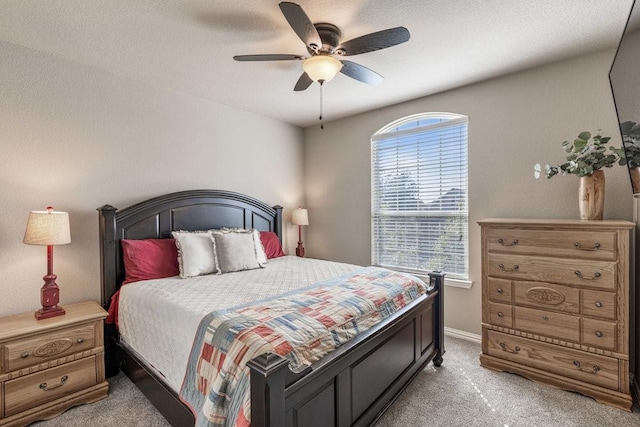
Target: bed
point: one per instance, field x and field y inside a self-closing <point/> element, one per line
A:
<point x="352" y="385"/>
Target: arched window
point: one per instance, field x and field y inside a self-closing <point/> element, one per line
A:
<point x="419" y="203"/>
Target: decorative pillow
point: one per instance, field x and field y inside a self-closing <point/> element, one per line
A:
<point x="235" y="250"/>
<point x="271" y="244"/>
<point x="149" y="259"/>
<point x="196" y="253"/>
<point x="260" y="253"/>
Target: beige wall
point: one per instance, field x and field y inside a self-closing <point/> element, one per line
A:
<point x="514" y="122"/>
<point x="76" y="138"/>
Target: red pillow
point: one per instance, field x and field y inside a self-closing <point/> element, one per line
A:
<point x="149" y="259"/>
<point x="271" y="244"/>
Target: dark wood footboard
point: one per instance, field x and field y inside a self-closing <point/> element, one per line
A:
<point x="352" y="387"/>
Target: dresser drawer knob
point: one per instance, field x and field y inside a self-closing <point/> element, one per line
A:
<point x="593" y="370"/>
<point x="500" y="314"/>
<point x="500" y="291"/>
<point x="24" y="355"/>
<point x="545" y="317"/>
<point x="80" y="340"/>
<point x="599" y="334"/>
<point x="598" y="304"/>
<point x="595" y="247"/>
<point x="507" y="349"/>
<point x="515" y="268"/>
<point x="502" y="242"/>
<point x="595" y="276"/>
<point x="63" y="380"/>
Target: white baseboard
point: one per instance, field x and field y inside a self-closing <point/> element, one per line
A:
<point x="463" y="334"/>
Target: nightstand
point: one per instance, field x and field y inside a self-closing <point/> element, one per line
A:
<point x="50" y="365"/>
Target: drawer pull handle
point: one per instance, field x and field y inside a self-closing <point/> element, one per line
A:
<point x="500" y="314"/>
<point x="24" y="355"/>
<point x="595" y="276"/>
<point x="63" y="380"/>
<point x="595" y="247"/>
<point x="500" y="290"/>
<point x="515" y="268"/>
<point x="504" y="347"/>
<point x="80" y="340"/>
<point x="599" y="334"/>
<point x="501" y="241"/>
<point x="598" y="304"/>
<point x="545" y="317"/>
<point x="593" y="370"/>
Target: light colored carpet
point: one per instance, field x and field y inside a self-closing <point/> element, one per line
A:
<point x="459" y="393"/>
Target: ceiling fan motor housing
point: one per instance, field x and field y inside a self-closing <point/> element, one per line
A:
<point x="330" y="36"/>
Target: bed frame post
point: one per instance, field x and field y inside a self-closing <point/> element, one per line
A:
<point x="107" y="229"/>
<point x="277" y="224"/>
<point x="436" y="278"/>
<point x="268" y="375"/>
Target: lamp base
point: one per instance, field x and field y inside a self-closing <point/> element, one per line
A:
<point x="49" y="297"/>
<point x="45" y="313"/>
<point x="300" y="250"/>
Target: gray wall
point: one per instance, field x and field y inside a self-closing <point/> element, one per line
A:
<point x="75" y="137"/>
<point x="514" y="122"/>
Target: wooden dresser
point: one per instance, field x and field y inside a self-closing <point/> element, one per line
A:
<point x="555" y="304"/>
<point x="50" y="365"/>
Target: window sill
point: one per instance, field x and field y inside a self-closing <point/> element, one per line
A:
<point x="455" y="283"/>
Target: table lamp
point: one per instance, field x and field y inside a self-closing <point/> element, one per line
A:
<point x="48" y="228"/>
<point x="300" y="218"/>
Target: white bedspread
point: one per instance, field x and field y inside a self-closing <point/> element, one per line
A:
<point x="158" y="318"/>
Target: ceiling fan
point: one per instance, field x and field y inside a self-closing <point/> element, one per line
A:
<point x="323" y="43"/>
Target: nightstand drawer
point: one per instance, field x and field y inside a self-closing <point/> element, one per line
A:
<point x="42" y="348"/>
<point x="44" y="386"/>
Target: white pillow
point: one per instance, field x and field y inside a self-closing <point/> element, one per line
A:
<point x="196" y="253"/>
<point x="261" y="255"/>
<point x="235" y="251"/>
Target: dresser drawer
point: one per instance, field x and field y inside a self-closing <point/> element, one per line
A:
<point x="547" y="323"/>
<point x="44" y="386"/>
<point x="590" y="368"/>
<point x="587" y="273"/>
<point x="501" y="315"/>
<point x="547" y="296"/>
<point x="499" y="290"/>
<point x="598" y="333"/>
<point x="562" y="243"/>
<point x="599" y="304"/>
<point x="33" y="350"/>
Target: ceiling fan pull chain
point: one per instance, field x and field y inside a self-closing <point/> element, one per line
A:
<point x="321" y="101"/>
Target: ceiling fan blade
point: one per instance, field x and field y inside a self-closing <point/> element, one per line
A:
<point x="301" y="24"/>
<point x="267" y="57"/>
<point x="360" y="73"/>
<point x="303" y="82"/>
<point x="375" y="41"/>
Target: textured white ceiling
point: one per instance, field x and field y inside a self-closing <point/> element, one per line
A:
<point x="188" y="46"/>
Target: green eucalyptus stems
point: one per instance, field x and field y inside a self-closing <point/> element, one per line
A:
<point x="586" y="154"/>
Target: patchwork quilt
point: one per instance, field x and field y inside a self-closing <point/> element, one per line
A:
<point x="303" y="326"/>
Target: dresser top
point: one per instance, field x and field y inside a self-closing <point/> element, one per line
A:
<point x="19" y="325"/>
<point x="565" y="223"/>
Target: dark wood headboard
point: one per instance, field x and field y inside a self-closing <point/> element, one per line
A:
<point x="185" y="210"/>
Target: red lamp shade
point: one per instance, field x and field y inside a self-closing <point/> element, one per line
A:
<point x="48" y="228"/>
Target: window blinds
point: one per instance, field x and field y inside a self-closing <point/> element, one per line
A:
<point x="419" y="196"/>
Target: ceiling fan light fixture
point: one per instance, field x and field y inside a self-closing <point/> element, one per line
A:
<point x="321" y="67"/>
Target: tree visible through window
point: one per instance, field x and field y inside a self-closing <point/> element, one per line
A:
<point x="419" y="194"/>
